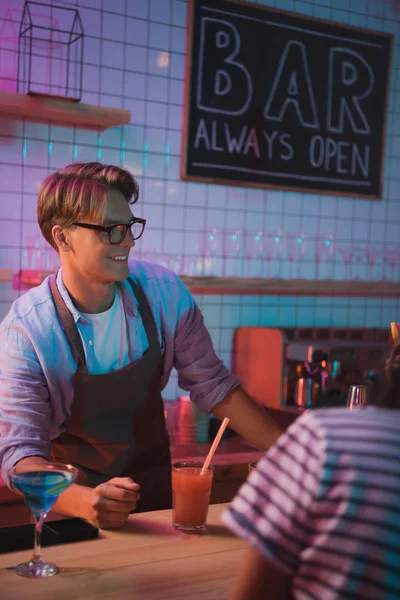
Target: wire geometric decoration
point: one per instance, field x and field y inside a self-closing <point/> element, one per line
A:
<point x="50" y="52"/>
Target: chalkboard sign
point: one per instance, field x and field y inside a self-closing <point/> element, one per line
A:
<point x="275" y="99"/>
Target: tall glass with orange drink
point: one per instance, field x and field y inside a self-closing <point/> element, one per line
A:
<point x="191" y="492"/>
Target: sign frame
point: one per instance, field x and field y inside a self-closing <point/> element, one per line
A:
<point x="208" y="177"/>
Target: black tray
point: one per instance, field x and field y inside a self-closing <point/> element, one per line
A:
<point x="21" y="537"/>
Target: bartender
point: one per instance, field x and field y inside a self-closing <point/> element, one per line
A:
<point x="85" y="356"/>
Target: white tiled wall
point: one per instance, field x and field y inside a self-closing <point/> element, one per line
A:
<point x="134" y="58"/>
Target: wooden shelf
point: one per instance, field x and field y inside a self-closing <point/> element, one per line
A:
<point x="237" y="286"/>
<point x="290" y="287"/>
<point x="5" y="275"/>
<point x="62" y="112"/>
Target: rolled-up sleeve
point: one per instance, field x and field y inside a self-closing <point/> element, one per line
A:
<point x="24" y="402"/>
<point x="200" y="371"/>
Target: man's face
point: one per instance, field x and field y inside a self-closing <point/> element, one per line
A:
<point x="92" y="255"/>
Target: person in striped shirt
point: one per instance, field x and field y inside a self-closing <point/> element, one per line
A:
<point x="322" y="510"/>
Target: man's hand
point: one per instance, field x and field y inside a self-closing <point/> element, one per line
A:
<point x="111" y="502"/>
<point x="107" y="506"/>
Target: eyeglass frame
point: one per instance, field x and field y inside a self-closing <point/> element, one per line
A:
<point x="107" y="228"/>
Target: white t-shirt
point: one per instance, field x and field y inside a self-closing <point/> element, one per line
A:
<point x="110" y="341"/>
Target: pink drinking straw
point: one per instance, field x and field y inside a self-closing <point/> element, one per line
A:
<point x="213" y="448"/>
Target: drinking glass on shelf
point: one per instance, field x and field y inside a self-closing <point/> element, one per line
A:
<point x="210" y="243"/>
<point x="273" y="248"/>
<point x="324" y="250"/>
<point x="390" y="257"/>
<point x="192" y="265"/>
<point x="295" y="248"/>
<point x="53" y="260"/>
<point x="255" y="247"/>
<point x="163" y="259"/>
<point x="32" y="250"/>
<point x="357" y="396"/>
<point x="148" y="256"/>
<point x="232" y="247"/>
<point x="347" y="253"/>
<point x="372" y="254"/>
<point x="41" y="484"/>
<point x="358" y="253"/>
<point x="175" y="263"/>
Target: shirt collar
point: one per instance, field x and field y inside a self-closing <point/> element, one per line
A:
<point x="129" y="299"/>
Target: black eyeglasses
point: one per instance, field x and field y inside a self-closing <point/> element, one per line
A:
<point x="117" y="233"/>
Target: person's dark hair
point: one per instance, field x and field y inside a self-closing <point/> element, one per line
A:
<point x="80" y="191"/>
<point x="391" y="396"/>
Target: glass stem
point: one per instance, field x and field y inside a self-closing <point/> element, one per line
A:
<point x="317" y="269"/>
<point x="248" y="270"/>
<point x="37" y="550"/>
<point x="346" y="271"/>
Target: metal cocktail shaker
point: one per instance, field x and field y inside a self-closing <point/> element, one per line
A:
<point x="304" y="392"/>
<point x="357" y="396"/>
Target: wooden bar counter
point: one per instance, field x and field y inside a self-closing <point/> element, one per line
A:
<point x="147" y="560"/>
<point x="230" y="470"/>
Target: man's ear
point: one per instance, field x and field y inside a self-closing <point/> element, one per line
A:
<point x="61" y="238"/>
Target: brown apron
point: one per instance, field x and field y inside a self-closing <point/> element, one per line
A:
<point x="117" y="424"/>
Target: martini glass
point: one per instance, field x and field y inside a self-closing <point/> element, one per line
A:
<point x="209" y="247"/>
<point x="232" y="246"/>
<point x="273" y="244"/>
<point x="41" y="484"/>
<point x="324" y="249"/>
<point x="295" y="249"/>
<point x="254" y="245"/>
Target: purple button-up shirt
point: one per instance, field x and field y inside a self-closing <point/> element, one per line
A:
<point x="37" y="365"/>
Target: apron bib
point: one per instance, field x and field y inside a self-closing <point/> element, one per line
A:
<point x="117" y="425"/>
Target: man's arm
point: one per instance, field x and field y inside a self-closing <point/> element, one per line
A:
<point x="258" y="578"/>
<point x="211" y="385"/>
<point x="248" y="419"/>
<point x="107" y="506"/>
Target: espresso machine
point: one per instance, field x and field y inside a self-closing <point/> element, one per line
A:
<point x="319" y="373"/>
<point x="310" y="367"/>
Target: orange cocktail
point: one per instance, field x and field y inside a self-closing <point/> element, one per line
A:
<point x="190" y="495"/>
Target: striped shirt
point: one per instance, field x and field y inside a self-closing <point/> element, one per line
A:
<point x="323" y="505"/>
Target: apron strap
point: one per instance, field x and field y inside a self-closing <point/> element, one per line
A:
<point x="68" y="324"/>
<point x="148" y="320"/>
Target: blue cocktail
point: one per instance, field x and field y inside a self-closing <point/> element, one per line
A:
<point x="41" y="485"/>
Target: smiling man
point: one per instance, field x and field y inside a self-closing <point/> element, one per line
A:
<point x="86" y="354"/>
